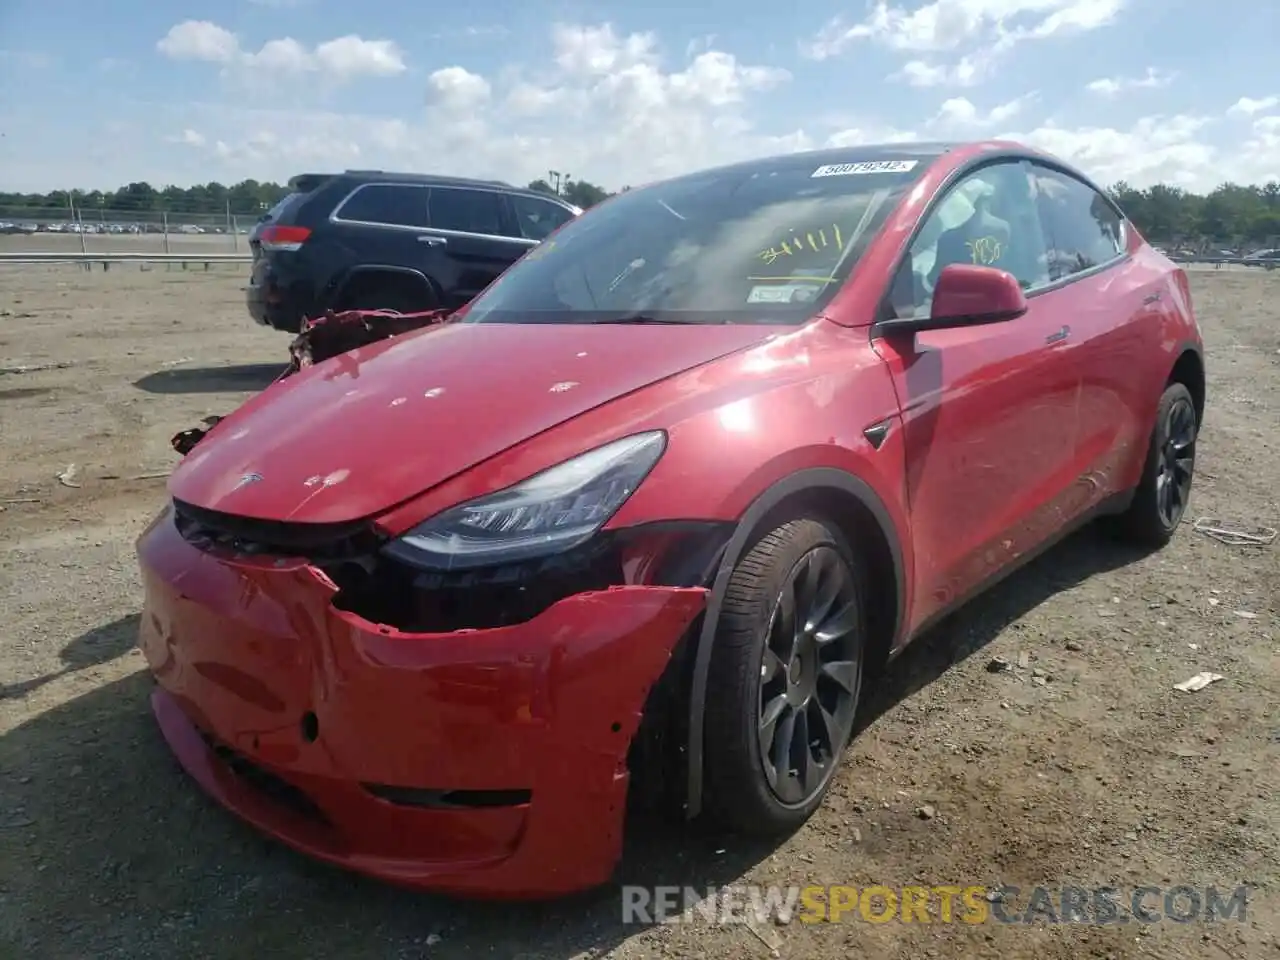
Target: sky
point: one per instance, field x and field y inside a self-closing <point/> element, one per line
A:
<point x="94" y="95"/>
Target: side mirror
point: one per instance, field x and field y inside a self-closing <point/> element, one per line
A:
<point x="966" y="295"/>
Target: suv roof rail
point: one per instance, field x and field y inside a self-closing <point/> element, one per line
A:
<point x="427" y="176"/>
<point x="306" y="182"/>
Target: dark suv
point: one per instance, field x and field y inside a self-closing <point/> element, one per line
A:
<point x="1269" y="259"/>
<point x="389" y="241"/>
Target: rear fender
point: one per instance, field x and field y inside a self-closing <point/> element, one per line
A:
<point x="367" y="270"/>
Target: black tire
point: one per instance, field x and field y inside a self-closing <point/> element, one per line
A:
<point x="1161" y="497"/>
<point x="740" y="792"/>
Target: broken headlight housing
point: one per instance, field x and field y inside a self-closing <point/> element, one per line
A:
<point x="552" y="511"/>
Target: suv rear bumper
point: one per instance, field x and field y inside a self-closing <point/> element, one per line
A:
<point x="268" y="303"/>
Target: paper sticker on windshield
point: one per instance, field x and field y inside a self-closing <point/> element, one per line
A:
<point x="771" y="294"/>
<point x="865" y="166"/>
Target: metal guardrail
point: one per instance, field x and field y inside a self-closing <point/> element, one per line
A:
<point x="134" y="257"/>
<point x="122" y="257"/>
<point x="1219" y="261"/>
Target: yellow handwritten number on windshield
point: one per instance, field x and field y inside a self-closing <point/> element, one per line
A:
<point x="803" y="241"/>
<point x="985" y="251"/>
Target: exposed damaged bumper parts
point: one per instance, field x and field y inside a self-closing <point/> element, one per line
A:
<point x="478" y="761"/>
<point x="324" y="337"/>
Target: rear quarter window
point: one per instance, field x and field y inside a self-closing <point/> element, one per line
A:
<point x="537" y="218"/>
<point x="286" y="206"/>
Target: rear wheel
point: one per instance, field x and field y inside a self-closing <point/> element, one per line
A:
<point x="1164" y="491"/>
<point x="785" y="679"/>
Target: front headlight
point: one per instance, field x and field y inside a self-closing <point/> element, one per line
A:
<point x="550" y="512"/>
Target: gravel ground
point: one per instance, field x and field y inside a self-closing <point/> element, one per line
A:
<point x="1075" y="763"/>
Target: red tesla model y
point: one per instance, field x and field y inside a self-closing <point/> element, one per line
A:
<point x="645" y="513"/>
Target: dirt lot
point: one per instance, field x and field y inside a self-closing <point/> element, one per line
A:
<point x="1079" y="764"/>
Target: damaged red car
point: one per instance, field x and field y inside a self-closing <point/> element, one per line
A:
<point x="639" y="523"/>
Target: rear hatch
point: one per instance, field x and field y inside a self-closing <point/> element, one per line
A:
<point x="277" y="230"/>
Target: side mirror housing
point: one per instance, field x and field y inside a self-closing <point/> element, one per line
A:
<point x="967" y="295"/>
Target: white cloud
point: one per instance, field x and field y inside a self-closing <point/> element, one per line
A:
<point x="1248" y="106"/>
<point x="1114" y="86"/>
<point x="646" y="118"/>
<point x="946" y="25"/>
<point x="340" y="59"/>
<point x="199" y="40"/>
<point x="1167" y="149"/>
<point x="959" y="115"/>
<point x="1268" y="129"/>
<point x="1073" y="16"/>
<point x="968" y="71"/>
<point x="1264" y="148"/>
<point x="937" y="31"/>
<point x="618" y="108"/>
<point x="593" y="51"/>
<point x="530" y="100"/>
<point x="285" y="55"/>
<point x="353" y="56"/>
<point x="455" y="89"/>
<point x="188" y="137"/>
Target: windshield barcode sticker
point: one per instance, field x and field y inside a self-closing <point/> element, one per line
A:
<point x="866" y="166"/>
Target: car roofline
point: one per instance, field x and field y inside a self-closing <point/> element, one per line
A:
<point x="425" y="179"/>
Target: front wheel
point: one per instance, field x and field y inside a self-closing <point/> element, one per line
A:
<point x="1162" y="495"/>
<point x="785" y="679"/>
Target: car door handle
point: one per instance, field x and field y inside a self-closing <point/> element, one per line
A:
<point x="1059" y="336"/>
<point x="1150" y="299"/>
<point x="433" y="241"/>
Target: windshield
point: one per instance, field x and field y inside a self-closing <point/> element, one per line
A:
<point x="746" y="245"/>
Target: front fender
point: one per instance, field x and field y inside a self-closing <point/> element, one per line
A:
<point x="821" y="478"/>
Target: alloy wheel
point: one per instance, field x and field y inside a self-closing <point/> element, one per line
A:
<point x="1177" y="462"/>
<point x="810" y="673"/>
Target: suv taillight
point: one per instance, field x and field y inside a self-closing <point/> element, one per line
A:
<point x="277" y="237"/>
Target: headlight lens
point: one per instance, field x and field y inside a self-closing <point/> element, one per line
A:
<point x="550" y="512"/>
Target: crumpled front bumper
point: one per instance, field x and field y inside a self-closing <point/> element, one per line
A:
<point x="482" y="762"/>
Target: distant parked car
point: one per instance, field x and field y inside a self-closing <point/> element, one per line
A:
<point x="374" y="240"/>
<point x="1268" y="259"/>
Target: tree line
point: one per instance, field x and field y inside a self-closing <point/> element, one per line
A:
<point x="1233" y="214"/>
<point x="249" y="198"/>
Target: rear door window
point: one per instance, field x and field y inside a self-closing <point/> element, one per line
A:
<point x="1082" y="228"/>
<point x="397" y="205"/>
<point x="467" y="211"/>
<point x="537" y="218"/>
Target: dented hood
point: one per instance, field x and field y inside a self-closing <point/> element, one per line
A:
<point x="363" y="431"/>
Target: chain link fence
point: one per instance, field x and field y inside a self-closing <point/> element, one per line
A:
<point x="91" y="229"/>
